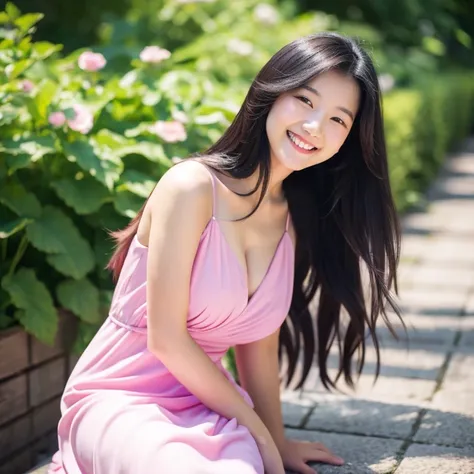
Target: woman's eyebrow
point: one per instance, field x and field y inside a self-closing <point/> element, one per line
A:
<point x="342" y="109"/>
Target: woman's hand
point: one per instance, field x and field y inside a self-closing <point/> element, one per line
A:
<point x="296" y="454"/>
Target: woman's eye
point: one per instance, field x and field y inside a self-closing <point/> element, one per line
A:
<point x="304" y="99"/>
<point x="338" y="120"/>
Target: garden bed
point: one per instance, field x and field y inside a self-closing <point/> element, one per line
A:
<point x="32" y="379"/>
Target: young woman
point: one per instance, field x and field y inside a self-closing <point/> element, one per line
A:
<point x="229" y="250"/>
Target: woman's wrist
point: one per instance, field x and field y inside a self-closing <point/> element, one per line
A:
<point x="257" y="428"/>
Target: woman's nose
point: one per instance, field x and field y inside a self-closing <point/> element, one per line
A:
<point x="313" y="127"/>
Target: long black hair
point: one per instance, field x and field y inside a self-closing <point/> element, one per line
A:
<point x="342" y="210"/>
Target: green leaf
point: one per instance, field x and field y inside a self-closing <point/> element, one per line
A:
<point x="463" y="37"/>
<point x="12" y="11"/>
<point x="85" y="195"/>
<point x="3" y="170"/>
<point x="6" y="321"/>
<point x="25" y="22"/>
<point x="434" y="45"/>
<point x="34" y="145"/>
<point x="9" y="228"/>
<point x="107" y="171"/>
<point x="103" y="246"/>
<point x="43" y="49"/>
<point x="4" y="18"/>
<point x="25" y="45"/>
<point x="110" y="144"/>
<point x="25" y="204"/>
<point x="19" y="67"/>
<point x="140" y="129"/>
<point x="8" y="114"/>
<point x="137" y="183"/>
<point x="76" y="264"/>
<point x="215" y="117"/>
<point x="106" y="218"/>
<point x="81" y="297"/>
<point x="56" y="234"/>
<point x="127" y="203"/>
<point x="96" y="104"/>
<point x="37" y="313"/>
<point x="151" y="151"/>
<point x="16" y="162"/>
<point x="46" y="92"/>
<point x="106" y="139"/>
<point x="105" y="298"/>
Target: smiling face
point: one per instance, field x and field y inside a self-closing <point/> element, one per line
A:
<point x="307" y="126"/>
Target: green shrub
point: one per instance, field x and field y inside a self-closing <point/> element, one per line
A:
<point x="421" y="125"/>
<point x="80" y="151"/>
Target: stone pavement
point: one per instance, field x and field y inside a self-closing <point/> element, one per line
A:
<point x="419" y="416"/>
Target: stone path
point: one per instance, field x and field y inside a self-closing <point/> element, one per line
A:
<point x="419" y="416"/>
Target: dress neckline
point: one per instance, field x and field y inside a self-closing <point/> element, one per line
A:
<point x="243" y="273"/>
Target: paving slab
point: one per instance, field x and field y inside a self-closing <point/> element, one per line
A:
<point x="467" y="324"/>
<point x="455" y="249"/>
<point x="365" y="417"/>
<point x="386" y="389"/>
<point x="441" y="275"/>
<point x="424" y="329"/>
<point x="295" y="408"/>
<point x="362" y="454"/>
<point x="446" y="428"/>
<point x="415" y="360"/>
<point x="433" y="302"/>
<point x="426" y="459"/>
<point x="413" y="247"/>
<point x="456" y="398"/>
<point x="460" y="370"/>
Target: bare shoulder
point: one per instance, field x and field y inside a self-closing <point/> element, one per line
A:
<point x="189" y="182"/>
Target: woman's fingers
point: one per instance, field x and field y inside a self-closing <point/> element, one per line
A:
<point x="319" y="452"/>
<point x="318" y="455"/>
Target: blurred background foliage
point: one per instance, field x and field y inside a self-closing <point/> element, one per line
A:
<point x="81" y="149"/>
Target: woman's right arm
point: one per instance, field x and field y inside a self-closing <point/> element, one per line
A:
<point x="179" y="210"/>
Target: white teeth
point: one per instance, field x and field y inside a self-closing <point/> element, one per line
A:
<point x="299" y="143"/>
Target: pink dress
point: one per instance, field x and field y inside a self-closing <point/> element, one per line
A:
<point x="123" y="412"/>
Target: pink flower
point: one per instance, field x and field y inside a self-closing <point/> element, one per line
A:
<point x="169" y="131"/>
<point x="89" y="61"/>
<point x="57" y="119"/>
<point x="83" y="120"/>
<point x="154" y="54"/>
<point x="27" y="86"/>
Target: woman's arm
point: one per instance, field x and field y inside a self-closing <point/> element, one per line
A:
<point x="258" y="368"/>
<point x="179" y="209"/>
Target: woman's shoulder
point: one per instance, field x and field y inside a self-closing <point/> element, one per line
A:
<point x="188" y="182"/>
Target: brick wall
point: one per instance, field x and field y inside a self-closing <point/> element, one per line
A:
<point x="32" y="378"/>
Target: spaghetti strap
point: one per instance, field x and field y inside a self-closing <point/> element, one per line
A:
<point x="287" y="220"/>
<point x="213" y="181"/>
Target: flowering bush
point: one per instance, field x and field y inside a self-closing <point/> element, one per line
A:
<point x="81" y="148"/>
